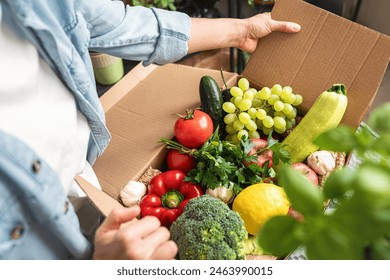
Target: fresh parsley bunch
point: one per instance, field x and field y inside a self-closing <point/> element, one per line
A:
<point x="222" y="163"/>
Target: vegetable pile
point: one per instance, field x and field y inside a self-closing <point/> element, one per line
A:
<point x="221" y="163"/>
<point x="226" y="169"/>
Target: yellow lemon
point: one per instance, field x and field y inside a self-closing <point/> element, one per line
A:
<point x="258" y="203"/>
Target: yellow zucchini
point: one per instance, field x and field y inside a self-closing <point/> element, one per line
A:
<point x="326" y="113"/>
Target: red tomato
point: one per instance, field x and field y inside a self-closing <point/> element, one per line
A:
<point x="178" y="161"/>
<point x="193" y="129"/>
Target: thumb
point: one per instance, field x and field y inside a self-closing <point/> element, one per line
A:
<point x="284" y="26"/>
<point x="117" y="217"/>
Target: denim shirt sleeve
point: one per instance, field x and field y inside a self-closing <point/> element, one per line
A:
<point x="138" y="33"/>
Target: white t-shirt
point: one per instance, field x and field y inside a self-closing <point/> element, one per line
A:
<point x="36" y="107"/>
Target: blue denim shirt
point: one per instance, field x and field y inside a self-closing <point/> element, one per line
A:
<point x="37" y="220"/>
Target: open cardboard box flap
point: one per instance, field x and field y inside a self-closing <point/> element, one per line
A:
<point x="140" y="109"/>
<point x="329" y="49"/>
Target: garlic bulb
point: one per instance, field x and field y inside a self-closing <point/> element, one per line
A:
<point x="132" y="193"/>
<point x="321" y="162"/>
<point x="222" y="193"/>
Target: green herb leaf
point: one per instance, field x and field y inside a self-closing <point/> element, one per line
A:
<point x="247" y="145"/>
<point x="380" y="151"/>
<point x="367" y="212"/>
<point x="379" y="119"/>
<point x="339" y="139"/>
<point x="339" y="183"/>
<point x="333" y="243"/>
<point x="276" y="235"/>
<point x="221" y="163"/>
<point x="210" y="180"/>
<point x="380" y="249"/>
<point x="279" y="153"/>
<point x="304" y="197"/>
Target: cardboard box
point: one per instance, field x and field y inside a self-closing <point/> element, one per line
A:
<point x="329" y="49"/>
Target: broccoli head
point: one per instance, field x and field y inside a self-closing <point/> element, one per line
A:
<point x="208" y="230"/>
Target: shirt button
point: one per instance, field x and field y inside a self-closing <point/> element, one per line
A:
<point x="17" y="232"/>
<point x="66" y="207"/>
<point x="36" y="166"/>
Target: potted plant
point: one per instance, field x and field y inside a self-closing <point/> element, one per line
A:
<point x="163" y="4"/>
<point x="356" y="224"/>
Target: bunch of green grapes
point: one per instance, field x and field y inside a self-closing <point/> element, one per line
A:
<point x="251" y="111"/>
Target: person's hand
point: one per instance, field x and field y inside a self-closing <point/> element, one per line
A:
<point x="261" y="25"/>
<point x="207" y="34"/>
<point x="123" y="236"/>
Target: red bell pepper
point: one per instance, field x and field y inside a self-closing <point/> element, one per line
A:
<point x="168" y="193"/>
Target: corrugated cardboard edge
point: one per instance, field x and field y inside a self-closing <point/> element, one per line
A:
<point x="125" y="85"/>
<point x="329" y="49"/>
<point x="136" y="130"/>
<point x="102" y="201"/>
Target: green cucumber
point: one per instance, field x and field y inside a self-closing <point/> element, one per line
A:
<point x="211" y="101"/>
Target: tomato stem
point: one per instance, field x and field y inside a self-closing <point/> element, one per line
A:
<point x="188" y="115"/>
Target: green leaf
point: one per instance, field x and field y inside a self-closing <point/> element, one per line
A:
<point x="366" y="138"/>
<point x="380" y="249"/>
<point x="247" y="145"/>
<point x="374" y="179"/>
<point x="195" y="176"/>
<point x="256" y="169"/>
<point x="240" y="176"/>
<point x="276" y="235"/>
<point x="382" y="146"/>
<point x="379" y="119"/>
<point x="210" y="180"/>
<point x="271" y="141"/>
<point x="332" y="243"/>
<point x="339" y="139"/>
<point x="280" y="154"/>
<point x="354" y="215"/>
<point x="367" y="212"/>
<point x="252" y="174"/>
<point x="304" y="197"/>
<point x="339" y="183"/>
